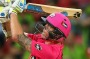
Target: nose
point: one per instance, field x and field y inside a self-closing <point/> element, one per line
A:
<point x="45" y="31"/>
<point x="46" y="34"/>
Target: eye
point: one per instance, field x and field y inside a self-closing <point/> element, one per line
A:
<point x="50" y="28"/>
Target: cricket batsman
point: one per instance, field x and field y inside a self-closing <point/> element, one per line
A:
<point x="49" y="43"/>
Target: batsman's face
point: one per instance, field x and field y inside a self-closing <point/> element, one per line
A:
<point x="45" y="33"/>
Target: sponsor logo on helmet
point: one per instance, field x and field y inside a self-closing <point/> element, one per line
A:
<point x="52" y="15"/>
<point x="64" y="24"/>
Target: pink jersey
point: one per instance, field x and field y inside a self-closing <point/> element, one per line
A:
<point x="40" y="50"/>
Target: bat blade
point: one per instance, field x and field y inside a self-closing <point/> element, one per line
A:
<point x="70" y="12"/>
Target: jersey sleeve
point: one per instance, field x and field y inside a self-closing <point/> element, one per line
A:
<point x="45" y="51"/>
<point x="32" y="36"/>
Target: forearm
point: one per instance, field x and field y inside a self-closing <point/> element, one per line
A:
<point x="25" y="42"/>
<point x="17" y="32"/>
<point x="16" y="28"/>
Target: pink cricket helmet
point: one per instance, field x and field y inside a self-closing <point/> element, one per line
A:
<point x="61" y="22"/>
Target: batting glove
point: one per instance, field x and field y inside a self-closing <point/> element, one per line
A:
<point x="18" y="6"/>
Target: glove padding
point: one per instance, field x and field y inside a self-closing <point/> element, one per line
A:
<point x="4" y="13"/>
<point x="18" y="6"/>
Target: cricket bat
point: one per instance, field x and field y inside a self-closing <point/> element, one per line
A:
<point x="47" y="9"/>
<point x="37" y="8"/>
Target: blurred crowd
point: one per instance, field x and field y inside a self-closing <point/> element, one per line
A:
<point x="77" y="45"/>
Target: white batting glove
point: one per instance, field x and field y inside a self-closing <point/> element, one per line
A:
<point x="18" y="6"/>
<point x="3" y="14"/>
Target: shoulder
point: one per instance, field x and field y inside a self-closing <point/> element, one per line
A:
<point x="33" y="36"/>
